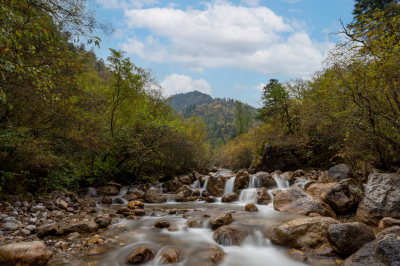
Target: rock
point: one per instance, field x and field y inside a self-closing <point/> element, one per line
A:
<point x="192" y="198"/>
<point x="325" y="250"/>
<point x="118" y="201"/>
<point x="220" y="220"/>
<point x="185" y="179"/>
<point x="109" y="190"/>
<point x="265" y="179"/>
<point x="80" y="227"/>
<point x="50" y="205"/>
<point x="106" y="200"/>
<point x="193" y="223"/>
<point x="162" y="224"/>
<point x="212" y="254"/>
<point x="139" y="212"/>
<point x="94" y="239"/>
<point x="135" y="204"/>
<point x="393" y="230"/>
<point x="381" y="199"/>
<point x="251" y="207"/>
<point x="73" y="236"/>
<point x="297" y="255"/>
<point x="173" y="228"/>
<point x="317" y="190"/>
<point x="263" y="197"/>
<point x="295" y="200"/>
<point x="338" y="172"/>
<point x="241" y="180"/>
<point x="134" y="194"/>
<point x="9" y="226"/>
<point x="30" y="227"/>
<point x="196" y="192"/>
<point x="24" y="253"/>
<point x="344" y="196"/>
<point x="38" y="208"/>
<point x="63" y="204"/>
<point x="103" y="221"/>
<point x="170" y="256"/>
<point x="210" y="199"/>
<point x="364" y="256"/>
<point x="347" y="238"/>
<point x="302" y="232"/>
<point x="180" y="197"/>
<point x="171" y="185"/>
<point x="141" y="255"/>
<point x="276" y="192"/>
<point x="216" y="185"/>
<point x="9" y="220"/>
<point x="230" y="235"/>
<point x="387" y="249"/>
<point x="388" y="222"/>
<point x="47" y="230"/>
<point x="231" y="197"/>
<point x="155" y="196"/>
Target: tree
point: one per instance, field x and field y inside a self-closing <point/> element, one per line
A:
<point x="243" y="118"/>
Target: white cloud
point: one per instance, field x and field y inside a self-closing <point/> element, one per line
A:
<point x="114" y="4"/>
<point x="259" y="87"/>
<point x="176" y="83"/>
<point x="250" y="2"/>
<point x="225" y="35"/>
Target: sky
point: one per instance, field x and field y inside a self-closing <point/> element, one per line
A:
<point x="225" y="48"/>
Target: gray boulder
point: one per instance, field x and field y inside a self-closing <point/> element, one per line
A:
<point x="338" y="172"/>
<point x="344" y="196"/>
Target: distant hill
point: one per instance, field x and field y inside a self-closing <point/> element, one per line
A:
<point x="182" y="100"/>
<point x="217" y="114"/>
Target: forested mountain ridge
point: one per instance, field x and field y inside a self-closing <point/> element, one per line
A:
<point x="224" y="118"/>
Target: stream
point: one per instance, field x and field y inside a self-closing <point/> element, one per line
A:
<point x="255" y="250"/>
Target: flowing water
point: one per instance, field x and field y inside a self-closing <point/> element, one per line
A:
<point x="256" y="249"/>
<point x="229" y="185"/>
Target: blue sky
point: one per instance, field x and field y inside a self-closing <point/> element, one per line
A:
<point x="221" y="47"/>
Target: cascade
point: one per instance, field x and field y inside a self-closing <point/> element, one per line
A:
<point x="229" y="185"/>
<point x="280" y="181"/>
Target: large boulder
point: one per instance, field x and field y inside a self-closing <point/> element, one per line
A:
<point x="230" y="235"/>
<point x="295" y="200"/>
<point x="387" y="249"/>
<point x="265" y="179"/>
<point x="109" y="190"/>
<point x="220" y="220"/>
<point x="80" y="227"/>
<point x="231" y="197"/>
<point x="302" y="232"/>
<point x="347" y="238"/>
<point x="338" y="172"/>
<point x="154" y="195"/>
<point x="241" y="180"/>
<point x="344" y="196"/>
<point x="317" y="190"/>
<point x="186" y="179"/>
<point x="381" y="199"/>
<point x="216" y="185"/>
<point x="364" y="256"/>
<point x="171" y="185"/>
<point x="134" y="194"/>
<point x="24" y="253"/>
<point x="211" y="255"/>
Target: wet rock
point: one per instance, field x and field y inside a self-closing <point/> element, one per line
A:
<point x="251" y="207"/>
<point x="109" y="190"/>
<point x="155" y="196"/>
<point x="186" y="179"/>
<point x="241" y="180"/>
<point x="135" y="204"/>
<point x="216" y="185"/>
<point x="134" y="194"/>
<point x="388" y="222"/>
<point x="106" y="200"/>
<point x="192" y="198"/>
<point x="298" y="255"/>
<point x="324" y="250"/>
<point x="381" y="199"/>
<point x="193" y="223"/>
<point x="210" y="199"/>
<point x="162" y="224"/>
<point x="295" y="200"/>
<point x="263" y="197"/>
<point x="139" y="212"/>
<point x="180" y="197"/>
<point x="196" y="192"/>
<point x="80" y="227"/>
<point x="231" y="197"/>
<point x="221" y="220"/>
<point x="347" y="238"/>
<point x="276" y="192"/>
<point x="344" y="196"/>
<point x="173" y="228"/>
<point x="338" y="172"/>
<point x="103" y="221"/>
<point x="394" y="230"/>
<point x="9" y="226"/>
<point x="170" y="256"/>
<point x="265" y="180"/>
<point x="24" y="253"/>
<point x="212" y="254"/>
<point x="171" y="185"/>
<point x="47" y="230"/>
<point x="141" y="255"/>
<point x="302" y="232"/>
<point x="230" y="235"/>
<point x="118" y="201"/>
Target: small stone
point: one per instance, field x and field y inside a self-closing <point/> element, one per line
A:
<point x="170" y="256"/>
<point x="141" y="255"/>
<point x="73" y="236"/>
<point x="94" y="239"/>
<point x="251" y="207"/>
<point x="9" y="220"/>
<point x="162" y="224"/>
<point x="10" y="226"/>
<point x="298" y="255"/>
<point x="221" y="220"/>
<point x="173" y="228"/>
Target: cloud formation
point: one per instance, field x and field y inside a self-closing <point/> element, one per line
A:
<point x="224" y="35"/>
<point x="114" y="4"/>
<point x="176" y="83"/>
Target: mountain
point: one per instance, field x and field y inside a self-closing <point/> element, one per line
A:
<point x="181" y="101"/>
<point x="220" y="115"/>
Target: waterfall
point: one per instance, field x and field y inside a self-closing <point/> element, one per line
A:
<point x="280" y="181"/>
<point x="254" y="181"/>
<point x="196" y="184"/>
<point x="229" y="185"/>
<point x="248" y="195"/>
<point x="204" y="188"/>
